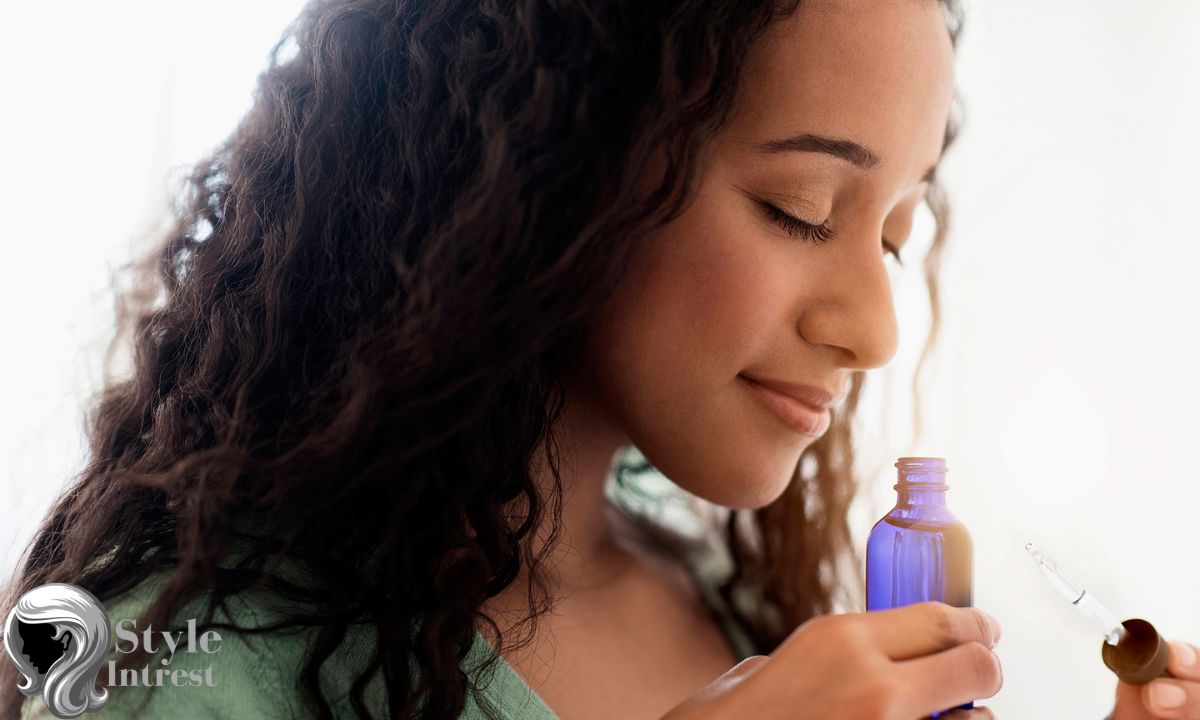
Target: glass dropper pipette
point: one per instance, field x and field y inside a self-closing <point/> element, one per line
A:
<point x="1097" y="614"/>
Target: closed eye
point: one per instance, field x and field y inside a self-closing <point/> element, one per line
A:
<point x="821" y="233"/>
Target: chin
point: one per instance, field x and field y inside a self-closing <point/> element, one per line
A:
<point x="731" y="453"/>
<point x="748" y="486"/>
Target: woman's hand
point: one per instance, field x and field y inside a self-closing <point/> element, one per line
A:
<point x="900" y="664"/>
<point x="1177" y="699"/>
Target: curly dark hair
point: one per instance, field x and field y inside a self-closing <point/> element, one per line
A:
<point x="364" y="308"/>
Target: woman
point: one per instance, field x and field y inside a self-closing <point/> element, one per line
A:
<point x="458" y="258"/>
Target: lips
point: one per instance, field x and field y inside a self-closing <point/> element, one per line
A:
<point x="807" y="394"/>
<point x="803" y="408"/>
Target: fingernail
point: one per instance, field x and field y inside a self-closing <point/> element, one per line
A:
<point x="1166" y="696"/>
<point x="995" y="629"/>
<point x="1185" y="655"/>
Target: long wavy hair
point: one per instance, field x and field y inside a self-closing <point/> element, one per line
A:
<point x="364" y="307"/>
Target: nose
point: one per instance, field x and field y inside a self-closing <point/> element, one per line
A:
<point x="851" y="307"/>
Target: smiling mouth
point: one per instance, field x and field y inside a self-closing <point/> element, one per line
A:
<point x="799" y="416"/>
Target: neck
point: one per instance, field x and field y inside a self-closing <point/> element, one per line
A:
<point x="589" y="550"/>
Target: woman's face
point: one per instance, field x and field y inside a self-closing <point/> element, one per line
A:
<point x="840" y="116"/>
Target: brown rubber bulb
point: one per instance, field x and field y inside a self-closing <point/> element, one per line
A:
<point x="1140" y="657"/>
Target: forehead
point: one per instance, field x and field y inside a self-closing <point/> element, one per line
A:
<point x="878" y="72"/>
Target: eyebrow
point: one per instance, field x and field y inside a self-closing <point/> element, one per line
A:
<point x="847" y="150"/>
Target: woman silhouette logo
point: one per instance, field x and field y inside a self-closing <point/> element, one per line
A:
<point x="58" y="635"/>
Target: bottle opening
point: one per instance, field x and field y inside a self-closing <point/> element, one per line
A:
<point x="922" y="470"/>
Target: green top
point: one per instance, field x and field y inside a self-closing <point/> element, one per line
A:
<point x="256" y="675"/>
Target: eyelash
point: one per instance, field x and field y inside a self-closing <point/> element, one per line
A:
<point x="816" y="233"/>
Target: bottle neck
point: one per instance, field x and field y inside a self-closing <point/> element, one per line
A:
<point x="921" y="481"/>
<point x="920" y="494"/>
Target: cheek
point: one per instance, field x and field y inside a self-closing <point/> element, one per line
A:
<point x="714" y="286"/>
<point x="710" y="297"/>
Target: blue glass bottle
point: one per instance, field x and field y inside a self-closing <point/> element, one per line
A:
<point x="919" y="551"/>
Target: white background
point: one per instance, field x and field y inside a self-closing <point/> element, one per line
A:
<point x="1063" y="393"/>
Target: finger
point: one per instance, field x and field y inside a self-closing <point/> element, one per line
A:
<point x="1130" y="705"/>
<point x="952" y="677"/>
<point x="1135" y="702"/>
<point x="1184" y="661"/>
<point x="925" y="628"/>
<point x="979" y="713"/>
<point x="1175" y="699"/>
